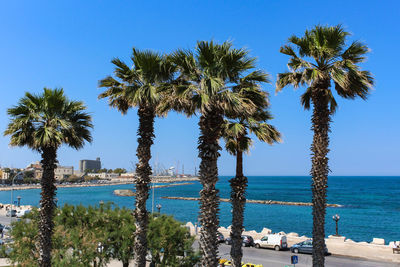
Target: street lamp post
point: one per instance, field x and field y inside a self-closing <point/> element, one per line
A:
<point x="159" y="207"/>
<point x="152" y="199"/>
<point x="12" y="198"/>
<point x="336" y="218"/>
<point x="19" y="201"/>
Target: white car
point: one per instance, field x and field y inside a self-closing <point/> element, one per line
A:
<point x="276" y="242"/>
<point x="21" y="213"/>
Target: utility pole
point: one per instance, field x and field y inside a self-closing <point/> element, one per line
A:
<point x="152" y="199"/>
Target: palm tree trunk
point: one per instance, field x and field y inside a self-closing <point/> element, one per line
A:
<point x="125" y="264"/>
<point x="238" y="200"/>
<point x="47" y="205"/>
<point x="319" y="172"/>
<point x="210" y="132"/>
<point x="142" y="180"/>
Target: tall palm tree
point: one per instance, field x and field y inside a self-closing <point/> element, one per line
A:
<point x="44" y="123"/>
<point x="323" y="60"/>
<point x="140" y="86"/>
<point x="206" y="80"/>
<point x="237" y="141"/>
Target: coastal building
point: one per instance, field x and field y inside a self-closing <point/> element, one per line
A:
<point x="4" y="174"/>
<point x="38" y="173"/>
<point x="62" y="172"/>
<point x="103" y="175"/>
<point x="34" y="165"/>
<point x="87" y="164"/>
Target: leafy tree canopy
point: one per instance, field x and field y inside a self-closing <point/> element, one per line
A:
<point x="96" y="234"/>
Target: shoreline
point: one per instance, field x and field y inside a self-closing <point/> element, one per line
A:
<point x="117" y="182"/>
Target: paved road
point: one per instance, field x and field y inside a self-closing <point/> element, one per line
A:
<point x="272" y="258"/>
<point x="6" y="220"/>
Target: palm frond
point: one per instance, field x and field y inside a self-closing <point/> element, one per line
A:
<point x="323" y="58"/>
<point x="49" y="120"/>
<point x="141" y="85"/>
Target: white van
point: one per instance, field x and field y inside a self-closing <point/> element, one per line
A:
<point x="276" y="242"/>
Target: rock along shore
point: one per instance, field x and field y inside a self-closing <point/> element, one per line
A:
<point x="266" y="202"/>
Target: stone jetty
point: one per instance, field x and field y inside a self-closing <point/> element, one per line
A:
<point x="130" y="193"/>
<point x="124" y="193"/>
<point x="266" y="202"/>
<point x="171" y="185"/>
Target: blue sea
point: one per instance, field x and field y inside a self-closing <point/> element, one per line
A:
<point x="371" y="205"/>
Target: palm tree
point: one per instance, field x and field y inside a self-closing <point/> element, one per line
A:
<point x="140" y="86"/>
<point x="44" y="123"/>
<point x="206" y="80"/>
<point x="237" y="141"/>
<point x="324" y="60"/>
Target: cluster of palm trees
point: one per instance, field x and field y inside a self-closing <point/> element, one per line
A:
<point x="221" y="85"/>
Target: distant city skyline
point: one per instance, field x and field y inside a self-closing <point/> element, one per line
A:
<point x="70" y="45"/>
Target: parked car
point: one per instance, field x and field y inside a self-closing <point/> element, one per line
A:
<point x="247" y="241"/>
<point x="6" y="230"/>
<point x="11" y="213"/>
<point x="276" y="242"/>
<point x="226" y="262"/>
<point x="305" y="247"/>
<point x="220" y="237"/>
<point x="21" y="213"/>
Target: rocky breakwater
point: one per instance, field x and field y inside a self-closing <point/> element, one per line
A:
<point x="124" y="193"/>
<point x="266" y="202"/>
<point x="130" y="193"/>
<point x="169" y="179"/>
<point x="171" y="185"/>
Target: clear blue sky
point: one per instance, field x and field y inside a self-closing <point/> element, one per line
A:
<point x="70" y="44"/>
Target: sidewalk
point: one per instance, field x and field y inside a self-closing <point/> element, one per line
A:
<point x="4" y="262"/>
